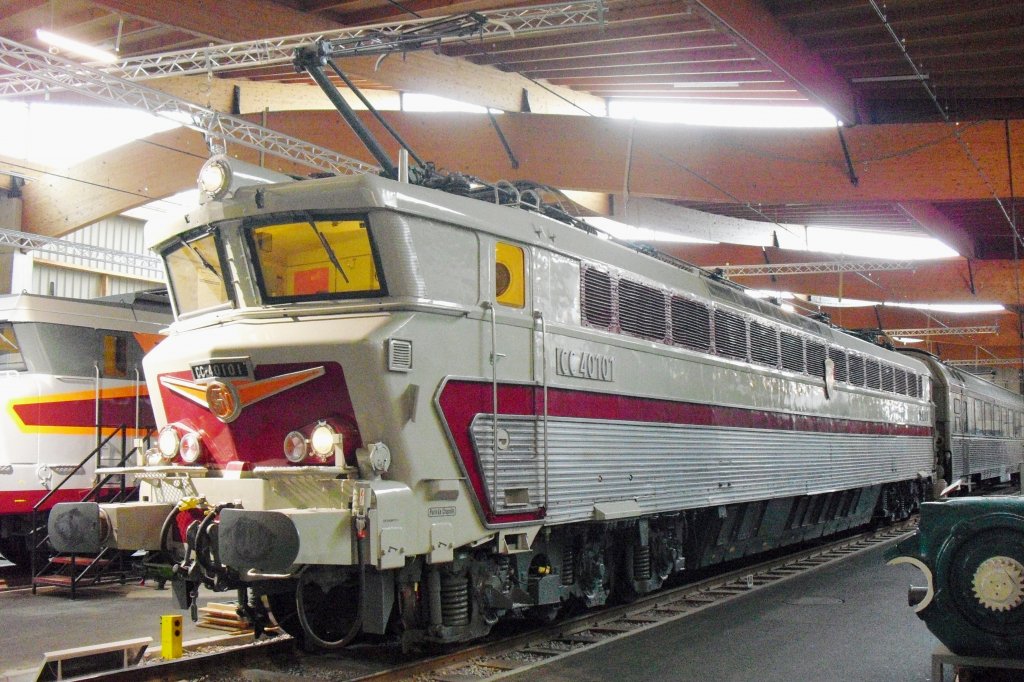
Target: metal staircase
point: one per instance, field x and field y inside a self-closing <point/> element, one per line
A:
<point x="109" y="565"/>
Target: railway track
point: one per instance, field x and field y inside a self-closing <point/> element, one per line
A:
<point x="498" y="657"/>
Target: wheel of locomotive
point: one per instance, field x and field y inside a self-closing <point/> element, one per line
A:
<point x="282" y="607"/>
<point x="979" y="600"/>
<point x="327" y="606"/>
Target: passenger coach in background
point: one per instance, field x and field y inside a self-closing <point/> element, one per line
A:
<point x="70" y="374"/>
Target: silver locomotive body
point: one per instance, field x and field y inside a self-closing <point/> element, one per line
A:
<point x="386" y="408"/>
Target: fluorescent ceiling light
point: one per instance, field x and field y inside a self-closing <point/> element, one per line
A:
<point x="907" y="339"/>
<point x="76" y="47"/>
<point x="950" y="307"/>
<point x="708" y="84"/>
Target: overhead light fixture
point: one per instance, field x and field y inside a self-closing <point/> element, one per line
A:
<point x="709" y="84"/>
<point x="81" y="49"/>
<point x="890" y="79"/>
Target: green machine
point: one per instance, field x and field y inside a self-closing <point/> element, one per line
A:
<point x="971" y="551"/>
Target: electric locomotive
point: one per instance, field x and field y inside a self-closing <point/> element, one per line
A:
<point x="385" y="408"/>
<point x="70" y="372"/>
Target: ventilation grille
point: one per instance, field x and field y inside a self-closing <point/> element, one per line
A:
<point x="597" y="298"/>
<point x="641" y="310"/>
<point x="872" y="372"/>
<point x="856" y="370"/>
<point x="691" y="324"/>
<point x="730" y="335"/>
<point x="764" y="344"/>
<point x="887" y="378"/>
<point x="792" y="352"/>
<point x="838" y="358"/>
<point x="399" y="355"/>
<point x="815" y="359"/>
<point x="901" y="381"/>
<point x="625" y="306"/>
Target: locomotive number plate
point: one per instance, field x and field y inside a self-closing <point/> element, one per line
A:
<point x="224" y="368"/>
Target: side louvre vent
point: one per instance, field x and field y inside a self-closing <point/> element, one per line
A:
<point x="838" y="358"/>
<point x="764" y="344"/>
<point x="816" y="359"/>
<point x="597" y="298"/>
<point x="901" y="381"/>
<point x="874" y="378"/>
<point x="887" y="378"/>
<point x="856" y="370"/>
<point x="641" y="310"/>
<point x="399" y="355"/>
<point x="730" y="335"/>
<point x="691" y="324"/>
<point x="792" y="352"/>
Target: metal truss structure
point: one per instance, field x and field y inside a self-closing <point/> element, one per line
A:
<point x="814" y="268"/>
<point x="945" y="331"/>
<point x="983" y="362"/>
<point x="63" y="73"/>
<point x="150" y="266"/>
<point x="275" y="51"/>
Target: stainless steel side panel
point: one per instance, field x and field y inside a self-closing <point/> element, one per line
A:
<point x="667" y="466"/>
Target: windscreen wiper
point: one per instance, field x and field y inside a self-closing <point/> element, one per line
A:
<point x="327" y="249"/>
<point x="202" y="259"/>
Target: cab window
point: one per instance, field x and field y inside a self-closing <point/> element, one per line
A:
<point x="309" y="258"/>
<point x="10" y="352"/>
<point x="509" y="275"/>
<point x="195" y="273"/>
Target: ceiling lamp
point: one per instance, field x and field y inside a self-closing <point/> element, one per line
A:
<point x="81" y="49"/>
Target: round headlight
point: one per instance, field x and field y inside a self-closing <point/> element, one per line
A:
<point x="295" y="447"/>
<point x="215" y="178"/>
<point x="168" y="442"/>
<point x="153" y="457"/>
<point x="322" y="440"/>
<point x="191" y="447"/>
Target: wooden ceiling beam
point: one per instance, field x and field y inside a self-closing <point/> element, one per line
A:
<point x="715" y="165"/>
<point x="678" y="28"/>
<point x="752" y="23"/>
<point x="693" y="43"/>
<point x="721" y="165"/>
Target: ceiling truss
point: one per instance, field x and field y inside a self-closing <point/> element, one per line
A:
<point x="814" y="268"/>
<point x="944" y="331"/>
<point x="146" y="266"/>
<point x="221" y="128"/>
<point x="275" y="51"/>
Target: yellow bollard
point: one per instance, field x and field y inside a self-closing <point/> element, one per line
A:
<point x="170" y="636"/>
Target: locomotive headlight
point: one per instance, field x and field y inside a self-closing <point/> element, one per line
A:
<point x="295" y="447"/>
<point x="168" y="441"/>
<point x="323" y="439"/>
<point x="191" y="447"/>
<point x="214" y="178"/>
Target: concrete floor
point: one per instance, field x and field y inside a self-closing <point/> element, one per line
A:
<point x="848" y="621"/>
<point x="31" y="625"/>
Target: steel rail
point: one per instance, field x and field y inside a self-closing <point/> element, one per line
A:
<point x="539" y="646"/>
<point x="549" y="644"/>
